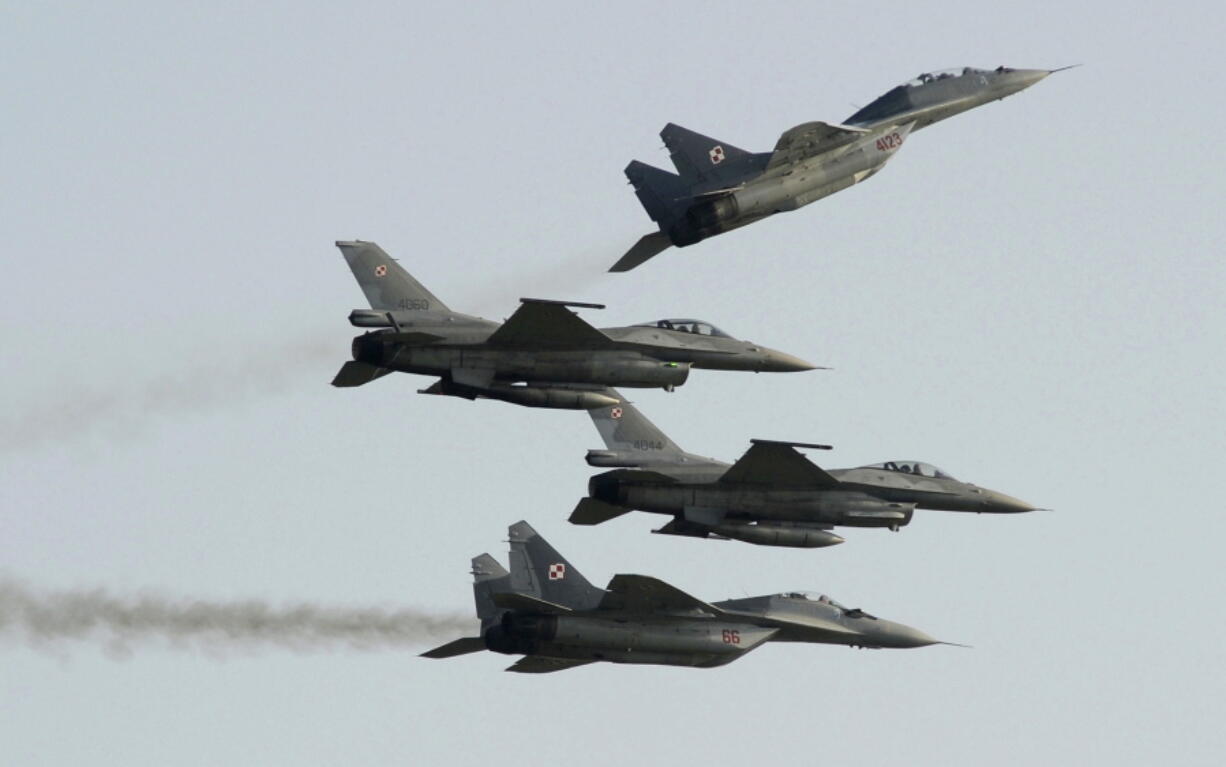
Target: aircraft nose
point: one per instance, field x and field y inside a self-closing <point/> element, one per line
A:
<point x="1021" y="79"/>
<point x="999" y="503"/>
<point x="897" y="635"/>
<point x="779" y="362"/>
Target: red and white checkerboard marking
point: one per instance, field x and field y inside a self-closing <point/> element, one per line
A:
<point x="557" y="572"/>
<point x="380" y="270"/>
<point x="615" y="413"/>
<point x="716" y="154"/>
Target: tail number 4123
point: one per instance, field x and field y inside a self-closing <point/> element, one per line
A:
<point x="889" y="142"/>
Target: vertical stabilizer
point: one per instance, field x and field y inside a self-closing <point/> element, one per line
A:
<point x="624" y="428"/>
<point x="386" y="283"/>
<point x="538" y="570"/>
<point x="489" y="578"/>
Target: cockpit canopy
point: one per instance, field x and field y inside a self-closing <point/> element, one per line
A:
<point x="911" y="467"/>
<point x="812" y="596"/>
<point x="945" y="74"/>
<point x="686" y="326"/>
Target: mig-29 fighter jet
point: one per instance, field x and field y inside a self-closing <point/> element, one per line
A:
<point x="719" y="187"/>
<point x="543" y="356"/>
<point x="772" y="496"/>
<point x="545" y="610"/>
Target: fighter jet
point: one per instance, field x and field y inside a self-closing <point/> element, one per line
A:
<point x="719" y="187"/>
<point x="772" y="496"/>
<point x="545" y="610"/>
<point x="543" y="356"/>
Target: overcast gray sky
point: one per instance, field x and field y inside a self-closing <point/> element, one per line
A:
<point x="1030" y="296"/>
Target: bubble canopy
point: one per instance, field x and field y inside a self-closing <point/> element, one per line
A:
<point x="698" y="327"/>
<point x="811" y="596"/>
<point x="911" y="467"/>
<point x="945" y="74"/>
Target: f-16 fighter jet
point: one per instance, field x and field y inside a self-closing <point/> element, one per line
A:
<point x="543" y="356"/>
<point x="719" y="187"/>
<point x="772" y="496"/>
<point x="545" y="610"/>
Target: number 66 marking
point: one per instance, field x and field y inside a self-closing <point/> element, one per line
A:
<point x="731" y="636"/>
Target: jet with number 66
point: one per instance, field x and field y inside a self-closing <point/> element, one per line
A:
<point x="545" y="610"/>
<point x="719" y="187"/>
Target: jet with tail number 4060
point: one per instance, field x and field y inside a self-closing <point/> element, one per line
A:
<point x="545" y="610"/>
<point x="772" y="496"/>
<point x="719" y="187"/>
<point x="543" y="356"/>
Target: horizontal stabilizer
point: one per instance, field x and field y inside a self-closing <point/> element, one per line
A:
<point x="457" y="647"/>
<point x="649" y="245"/>
<point x="548" y="325"/>
<point x="539" y="664"/>
<point x="641" y="594"/>
<point x="510" y="600"/>
<point x="777" y="463"/>
<point x="355" y="373"/>
<point x="591" y="511"/>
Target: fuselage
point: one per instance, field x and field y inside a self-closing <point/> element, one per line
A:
<point x="871" y="496"/>
<point x="698" y="641"/>
<point x="637" y="356"/>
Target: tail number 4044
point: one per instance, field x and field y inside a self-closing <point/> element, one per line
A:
<point x="889" y="142"/>
<point x="731" y="636"/>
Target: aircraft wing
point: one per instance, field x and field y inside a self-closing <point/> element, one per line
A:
<point x="548" y="324"/>
<point x="539" y="664"/>
<point x="809" y="140"/>
<point x="777" y="463"/>
<point x="641" y="594"/>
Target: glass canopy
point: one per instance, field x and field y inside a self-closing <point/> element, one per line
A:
<point x="686" y="326"/>
<point x="911" y="467"/>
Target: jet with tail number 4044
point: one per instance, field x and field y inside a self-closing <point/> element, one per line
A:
<point x="719" y="187"/>
<point x="543" y="356"/>
<point x="545" y="610"/>
<point x="772" y="496"/>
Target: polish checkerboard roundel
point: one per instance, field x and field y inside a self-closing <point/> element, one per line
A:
<point x="615" y="413"/>
<point x="380" y="270"/>
<point x="717" y="155"/>
<point x="557" y="572"/>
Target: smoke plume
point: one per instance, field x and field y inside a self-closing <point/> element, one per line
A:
<point x="126" y="411"/>
<point x="47" y="618"/>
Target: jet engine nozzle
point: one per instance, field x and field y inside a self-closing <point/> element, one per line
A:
<point x="708" y="216"/>
<point x="368" y="348"/>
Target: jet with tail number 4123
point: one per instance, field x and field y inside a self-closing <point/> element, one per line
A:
<point x="719" y="187"/>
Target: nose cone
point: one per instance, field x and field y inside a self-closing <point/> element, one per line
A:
<point x="779" y="362"/>
<point x="898" y="636"/>
<point x="999" y="503"/>
<point x="1021" y="79"/>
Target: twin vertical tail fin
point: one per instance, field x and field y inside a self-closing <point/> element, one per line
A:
<point x="538" y="570"/>
<point x="701" y="159"/>
<point x="489" y="578"/>
<point x="386" y="284"/>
